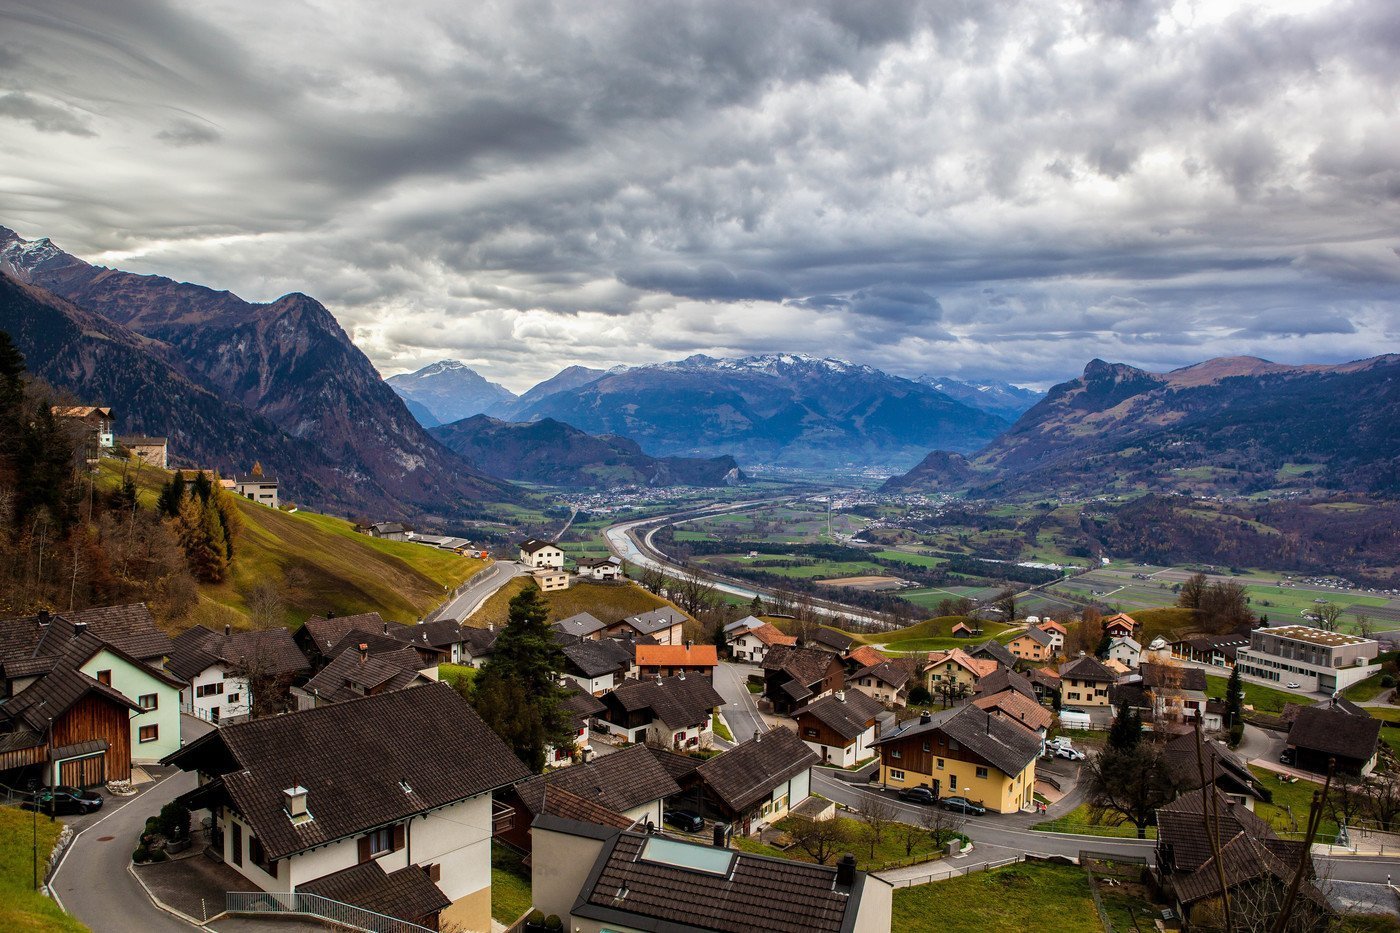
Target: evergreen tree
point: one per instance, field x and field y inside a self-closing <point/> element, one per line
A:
<point x="756" y="606"/>
<point x="202" y="487"/>
<point x="1126" y="731"/>
<point x="172" y="496"/>
<point x="1234" y="700"/>
<point x="518" y="693"/>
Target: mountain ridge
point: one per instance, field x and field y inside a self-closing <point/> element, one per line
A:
<point x="451" y="390"/>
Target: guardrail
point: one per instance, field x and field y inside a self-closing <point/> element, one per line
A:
<point x="314" y="905"/>
<point x="956" y="872"/>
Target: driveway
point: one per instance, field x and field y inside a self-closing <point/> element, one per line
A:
<point x="92" y="882"/>
<point x="740" y="710"/>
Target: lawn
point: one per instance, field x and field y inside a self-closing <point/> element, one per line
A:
<point x="21" y="907"/>
<point x="1078" y="821"/>
<point x="918" y="560"/>
<point x="722" y="728"/>
<point x="1027" y="896"/>
<point x="888" y="850"/>
<point x="510" y="885"/>
<point x="1289" y="811"/>
<point x="609" y="603"/>
<point x="458" y="675"/>
<point x="1366" y="690"/>
<point x="1263" y="699"/>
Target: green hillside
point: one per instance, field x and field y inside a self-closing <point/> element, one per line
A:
<point x="319" y="564"/>
<point x="605" y="601"/>
<point x="21" y="907"/>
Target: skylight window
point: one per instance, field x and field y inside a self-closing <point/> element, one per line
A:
<point x="662" y="851"/>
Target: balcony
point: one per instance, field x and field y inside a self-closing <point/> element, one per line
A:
<point x="502" y="818"/>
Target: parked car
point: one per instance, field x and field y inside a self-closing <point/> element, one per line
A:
<point x="917" y="795"/>
<point x="1293" y="685"/>
<point x="687" y="821"/>
<point x="64" y="799"/>
<point x="962" y="805"/>
<point x="1069" y="752"/>
<point x="1061" y="741"/>
<point x="1286" y="757"/>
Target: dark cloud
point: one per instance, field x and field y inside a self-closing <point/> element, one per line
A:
<point x="1010" y="189"/>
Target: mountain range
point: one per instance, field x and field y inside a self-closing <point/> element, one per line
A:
<point x="1228" y="426"/>
<point x="773" y="409"/>
<point x="997" y="398"/>
<point x="556" y="454"/>
<point x="448" y="391"/>
<point x="232" y="382"/>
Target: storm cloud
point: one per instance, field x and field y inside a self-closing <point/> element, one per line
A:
<point x="986" y="190"/>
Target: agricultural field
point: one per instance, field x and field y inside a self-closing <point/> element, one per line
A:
<point x="935" y="635"/>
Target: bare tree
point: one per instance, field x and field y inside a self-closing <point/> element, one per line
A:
<point x="650" y="579"/>
<point x="1346" y="802"/>
<point x="879" y="813"/>
<point x="1328" y="615"/>
<point x="693" y="592"/>
<point x="910" y="834"/>
<point x="821" y="839"/>
<point x="1365" y="625"/>
<point x="943" y="826"/>
<point x="265" y="606"/>
<point x="1383" y="803"/>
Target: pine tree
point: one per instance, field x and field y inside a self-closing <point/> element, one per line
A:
<point x="1126" y="731"/>
<point x="172" y="496"/>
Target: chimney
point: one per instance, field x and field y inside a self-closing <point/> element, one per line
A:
<point x="386" y="628"/>
<point x="681" y="675"/>
<point x="295" y="800"/>
<point x="846" y="871"/>
<point x="490" y="626"/>
<point x="840" y="696"/>
<point x="228" y="630"/>
<point x="925" y="718"/>
<point x="757" y="736"/>
<point x="364" y="652"/>
<point x="687" y="644"/>
<point x="79" y="628"/>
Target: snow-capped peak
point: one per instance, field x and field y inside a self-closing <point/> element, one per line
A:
<point x="770" y="363"/>
<point x="24" y="256"/>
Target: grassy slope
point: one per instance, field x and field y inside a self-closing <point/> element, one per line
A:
<point x="1169" y="623"/>
<point x="608" y="603"/>
<point x="888" y="850"/>
<point x="21" y="907"/>
<point x="1078" y="821"/>
<point x="1029" y="896"/>
<point x="1263" y="699"/>
<point x="935" y="635"/>
<point x="510" y="885"/>
<point x="321" y="564"/>
<point x="1294" y="798"/>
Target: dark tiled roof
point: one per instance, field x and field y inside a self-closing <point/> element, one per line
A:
<point x="1181" y="824"/>
<point x="1017" y="708"/>
<point x="349" y="675"/>
<point x="57" y="691"/>
<point x="131" y="628"/>
<point x="534" y="545"/>
<point x="1003" y="744"/>
<point x="748" y="773"/>
<point x="830" y="638"/>
<point x="1039" y="636"/>
<point x="888" y="672"/>
<point x="649" y="623"/>
<point x="559" y="802"/>
<point x="677" y="765"/>
<point x="408" y="893"/>
<point x="677" y="701"/>
<point x="440" y="633"/>
<point x="991" y="648"/>
<point x="596" y="658"/>
<point x="324" y="633"/>
<point x="1171" y="677"/>
<point x="1087" y="668"/>
<point x="754" y="893"/>
<point x="848" y="717"/>
<point x="804" y="665"/>
<point x="351" y="757"/>
<point x="584" y="623"/>
<point x="619" y="781"/>
<point x="271" y="651"/>
<point x="1004" y="679"/>
<point x="379" y="643"/>
<point x="1184" y="763"/>
<point x="480" y="642"/>
<point x="1335" y="732"/>
<point x="583" y="705"/>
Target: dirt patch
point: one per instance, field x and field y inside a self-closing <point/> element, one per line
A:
<point x="865" y="583"/>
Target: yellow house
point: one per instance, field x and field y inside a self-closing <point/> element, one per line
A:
<point x="963" y="752"/>
<point x="1085" y="682"/>
<point x="1032" y="645"/>
<point x="955" y="667"/>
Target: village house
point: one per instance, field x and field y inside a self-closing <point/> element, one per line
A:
<point x="993" y="650"/>
<point x="261" y="489"/>
<point x="1252" y="856"/>
<point x="669" y="660"/>
<point x="356" y="672"/>
<point x="629" y="782"/>
<point x="887" y="682"/>
<point x="962" y="630"/>
<point x="597" y="666"/>
<point x="599" y="568"/>
<point x="1085" y="682"/>
<point x="1032" y="645"/>
<point x="668" y="712"/>
<point x="828" y="638"/>
<point x="550" y="579"/>
<point x="749" y="639"/>
<point x="1006" y="679"/>
<point x="1120" y="625"/>
<point x="1178" y="694"/>
<point x="389" y="531"/>
<point x="319" y="634"/>
<point x="758" y="782"/>
<point x="1020" y="709"/>
<point x="154" y="451"/>
<point x="582" y="625"/>
<point x="1126" y="651"/>
<point x="284" y="815"/>
<point x="458" y="643"/>
<point x="94" y="422"/>
<point x="583" y="860"/>
<point x="1321" y="734"/>
<point x="32" y="646"/>
<point x="391" y="641"/>
<point x="1230" y="773"/>
<point x="794" y="676"/>
<point x="664" y="625"/>
<point x="840" y="728"/>
<point x="1046" y="683"/>
<point x="222" y="671"/>
<point x="1216" y="650"/>
<point x="964" y="751"/>
<point x="541" y="555"/>
<point x="956" y="669"/>
<point x="861" y="657"/>
<point x="583" y="707"/>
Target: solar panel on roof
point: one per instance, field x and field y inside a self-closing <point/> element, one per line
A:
<point x="663" y="851"/>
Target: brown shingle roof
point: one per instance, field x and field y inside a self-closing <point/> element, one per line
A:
<point x="559" y="802"/>
<point x="272" y="651"/>
<point x="1158" y="676"/>
<point x="349" y="675"/>
<point x="131" y="628"/>
<point x="677" y="701"/>
<point x="408" y="893"/>
<point x="770" y="635"/>
<point x="1088" y="668"/>
<point x="866" y="656"/>
<point x="1334" y="732"/>
<point x="804" y="665"/>
<point x="847" y="716"/>
<point x="1016" y="708"/>
<point x="619" y="781"/>
<point x="324" y="633"/>
<point x="1004" y="745"/>
<point x="748" y="773"/>
<point x="351" y="757"/>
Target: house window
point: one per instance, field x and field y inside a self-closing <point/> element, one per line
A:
<point x="232" y="697"/>
<point x="940" y="764"/>
<point x="258" y="856"/>
<point x="149" y="733"/>
<point x="952" y="782"/>
<point x="896" y="775"/>
<point x="104" y="678"/>
<point x="896" y="753"/>
<point x="927" y="747"/>
<point x="982" y="773"/>
<point x="209" y="690"/>
<point x="381" y="841"/>
<point x="149" y="701"/>
<point x="810" y="733"/>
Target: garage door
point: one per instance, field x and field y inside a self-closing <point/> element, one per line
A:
<point x="83" y="772"/>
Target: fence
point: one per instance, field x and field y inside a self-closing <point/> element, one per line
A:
<point x="956" y="872"/>
<point x="322" y="908"/>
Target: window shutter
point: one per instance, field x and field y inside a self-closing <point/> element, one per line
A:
<point x="364" y="849"/>
<point x="435" y="872"/>
<point x="398" y="837"/>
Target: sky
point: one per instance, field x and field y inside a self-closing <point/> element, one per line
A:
<point x="985" y="190"/>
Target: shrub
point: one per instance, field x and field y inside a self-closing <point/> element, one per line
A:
<point x="174" y="823"/>
<point x="552" y="922"/>
<point x="1387" y="680"/>
<point x="141" y="855"/>
<point x="1236" y="734"/>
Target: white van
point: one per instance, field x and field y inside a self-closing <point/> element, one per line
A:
<point x="1074" y="719"/>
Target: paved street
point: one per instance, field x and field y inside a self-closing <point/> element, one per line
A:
<point x="482" y="587"/>
<point x="93" y="883"/>
<point x="740" y="710"/>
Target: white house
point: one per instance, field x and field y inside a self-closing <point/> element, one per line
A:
<point x="670" y="712"/>
<point x="261" y="489"/>
<point x="1126" y="651"/>
<point x="760" y="781"/>
<point x="840" y="728"/>
<point x="749" y="639"/>
<point x="541" y="555"/>
<point x="348" y="802"/>
<point x="219" y="669"/>
<point x="600" y="568"/>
